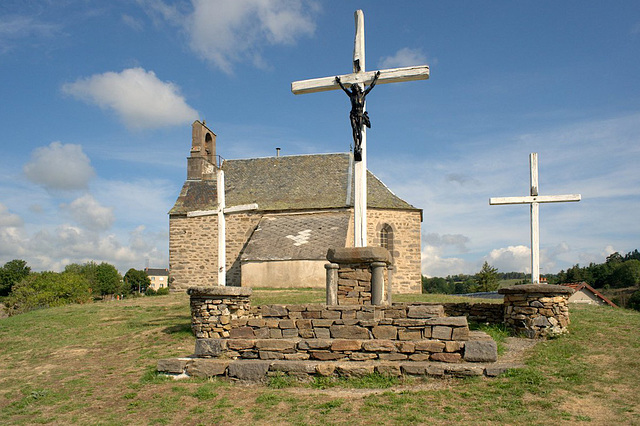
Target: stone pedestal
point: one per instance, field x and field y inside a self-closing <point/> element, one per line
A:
<point x="537" y="310"/>
<point x="213" y="309"/>
<point x="361" y="278"/>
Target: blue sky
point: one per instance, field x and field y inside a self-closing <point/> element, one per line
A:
<point x="97" y="99"/>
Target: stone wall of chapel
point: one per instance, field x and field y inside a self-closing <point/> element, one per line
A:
<point x="193" y="247"/>
<point x="406" y="249"/>
<point x="193" y="243"/>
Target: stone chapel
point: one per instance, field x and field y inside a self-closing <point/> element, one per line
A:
<point x="282" y="215"/>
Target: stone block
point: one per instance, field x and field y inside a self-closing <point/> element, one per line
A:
<point x="388" y="370"/>
<point x="414" y="368"/>
<point x="322" y="333"/>
<point x="270" y="355"/>
<point x="430" y="346"/>
<point x="287" y="323"/>
<point x="446" y="357"/>
<point x="453" y="346"/>
<point x="348" y="332"/>
<point x="172" y="365"/>
<point x="240" y="344"/>
<point x="346" y="345"/>
<point x="481" y="351"/>
<point x="289" y="333"/>
<point x="242" y="333"/>
<point x="385" y="332"/>
<point x="330" y="314"/>
<point x="306" y="333"/>
<point x="362" y="356"/>
<point x="248" y="370"/>
<point x="419" y="357"/>
<point x="449" y="321"/>
<point x="294" y="367"/>
<point x="460" y="333"/>
<point x="326" y="355"/>
<point x="395" y="313"/>
<point x="209" y="347"/>
<point x="463" y="370"/>
<point x="441" y="332"/>
<point x="325" y="369"/>
<point x="314" y="344"/>
<point x="207" y="367"/>
<point x="379" y="346"/>
<point x="262" y="333"/>
<point x="274" y="311"/>
<point x="298" y="356"/>
<point x="425" y="311"/>
<point x="409" y="334"/>
<point x="393" y="356"/>
<point x="278" y="345"/>
<point x="303" y="323"/>
<point x="406" y="347"/>
<point x="354" y="370"/>
<point x="275" y="333"/>
<point x="410" y="322"/>
<point x="322" y="322"/>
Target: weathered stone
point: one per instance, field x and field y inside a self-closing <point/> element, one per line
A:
<point x="206" y="367"/>
<point x="453" y="346"/>
<point x="326" y="355"/>
<point x="360" y="356"/>
<point x="262" y="333"/>
<point x="419" y="357"/>
<point x="325" y="369"/>
<point x="279" y="345"/>
<point x="463" y="370"/>
<point x="270" y="355"/>
<point x="209" y="347"/>
<point x="322" y="322"/>
<point x="240" y="344"/>
<point x="303" y="323"/>
<point x="449" y="321"/>
<point x="446" y="357"/>
<point x="406" y="347"/>
<point x="172" y="365"/>
<point x="297" y="356"/>
<point x="409" y="334"/>
<point x="409" y="322"/>
<point x="414" y="368"/>
<point x="385" y="332"/>
<point x="346" y="345"/>
<point x="248" y="370"/>
<point x="348" y="332"/>
<point x="431" y="346"/>
<point x="388" y="370"/>
<point x="441" y="332"/>
<point x="460" y="333"/>
<point x="242" y="333"/>
<point x="322" y="333"/>
<point x="379" y="346"/>
<point x="286" y="323"/>
<point x="274" y="311"/>
<point x="292" y="367"/>
<point x="425" y="311"/>
<point x="275" y="333"/>
<point x="435" y="370"/>
<point x="392" y="356"/>
<point x="354" y="370"/>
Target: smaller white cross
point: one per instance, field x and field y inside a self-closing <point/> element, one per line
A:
<point x="534" y="200"/>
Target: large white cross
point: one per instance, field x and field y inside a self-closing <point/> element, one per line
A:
<point x="362" y="78"/>
<point x="534" y="200"/>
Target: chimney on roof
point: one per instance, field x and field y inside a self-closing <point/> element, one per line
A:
<point x="277" y="152"/>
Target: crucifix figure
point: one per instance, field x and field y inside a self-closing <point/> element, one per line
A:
<point x="534" y="200"/>
<point x="360" y="78"/>
<point x="358" y="116"/>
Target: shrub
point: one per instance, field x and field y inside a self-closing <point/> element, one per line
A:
<point x="162" y="291"/>
<point x="634" y="301"/>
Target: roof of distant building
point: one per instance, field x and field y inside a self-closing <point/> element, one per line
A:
<point x="583" y="285"/>
<point x="156" y="272"/>
<point x="298" y="182"/>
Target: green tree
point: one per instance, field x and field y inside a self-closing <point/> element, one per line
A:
<point x="47" y="289"/>
<point x="108" y="279"/>
<point x="12" y="273"/>
<point x="487" y="278"/>
<point x="634" y="301"/>
<point x="136" y="281"/>
<point x="626" y="274"/>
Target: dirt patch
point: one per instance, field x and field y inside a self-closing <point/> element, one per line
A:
<point x="3" y="311"/>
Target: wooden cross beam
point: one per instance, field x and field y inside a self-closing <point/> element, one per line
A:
<point x="534" y="200"/>
<point x="361" y="77"/>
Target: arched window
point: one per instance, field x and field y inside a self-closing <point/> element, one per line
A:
<point x="386" y="237"/>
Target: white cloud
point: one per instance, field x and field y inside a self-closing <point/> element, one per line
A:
<point x="137" y="96"/>
<point x="14" y="28"/>
<point x="90" y="214"/>
<point x="434" y="265"/>
<point x="228" y="32"/>
<point x="9" y="219"/>
<point x="404" y="57"/>
<point x="512" y="258"/>
<point x="59" y="166"/>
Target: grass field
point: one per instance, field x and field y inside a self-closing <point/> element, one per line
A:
<point x="94" y="364"/>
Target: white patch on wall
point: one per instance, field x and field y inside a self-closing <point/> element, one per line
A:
<point x="301" y="238"/>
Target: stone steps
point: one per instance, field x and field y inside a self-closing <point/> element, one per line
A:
<point x="259" y="370"/>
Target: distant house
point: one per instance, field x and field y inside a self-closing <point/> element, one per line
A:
<point x="584" y="293"/>
<point x="159" y="277"/>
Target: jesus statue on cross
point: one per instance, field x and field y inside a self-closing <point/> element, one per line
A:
<point x="358" y="116"/>
<point x="357" y="81"/>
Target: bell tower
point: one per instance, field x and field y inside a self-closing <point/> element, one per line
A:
<point x="201" y="164"/>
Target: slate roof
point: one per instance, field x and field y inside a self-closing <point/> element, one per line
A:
<point x="297" y="236"/>
<point x="299" y="182"/>
<point x="157" y="272"/>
